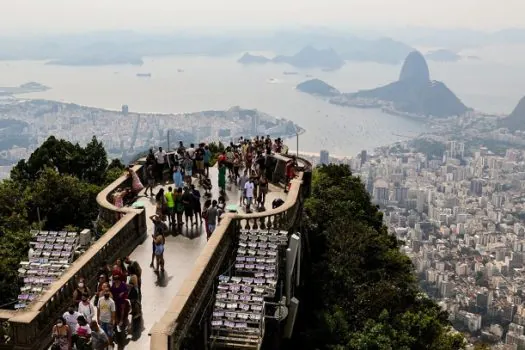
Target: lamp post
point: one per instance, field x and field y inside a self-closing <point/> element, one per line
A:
<point x="297" y="136"/>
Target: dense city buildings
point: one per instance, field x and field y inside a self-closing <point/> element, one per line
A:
<point x="461" y="220"/>
<point x="24" y="124"/>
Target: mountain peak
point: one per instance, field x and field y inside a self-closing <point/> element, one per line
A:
<point x="516" y="120"/>
<point x="415" y="68"/>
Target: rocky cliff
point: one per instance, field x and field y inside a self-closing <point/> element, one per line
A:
<point x="516" y="120"/>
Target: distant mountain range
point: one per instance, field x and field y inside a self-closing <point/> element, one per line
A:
<point x="443" y="55"/>
<point x="413" y="93"/>
<point x="308" y="57"/>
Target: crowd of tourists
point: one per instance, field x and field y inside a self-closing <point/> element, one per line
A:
<point x="98" y="319"/>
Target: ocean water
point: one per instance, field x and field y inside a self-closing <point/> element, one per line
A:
<point x="191" y="83"/>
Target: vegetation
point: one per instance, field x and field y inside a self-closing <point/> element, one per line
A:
<point x="431" y="148"/>
<point x="360" y="291"/>
<point x="55" y="188"/>
<point x="216" y="149"/>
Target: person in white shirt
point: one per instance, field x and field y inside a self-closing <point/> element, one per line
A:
<point x="71" y="317"/>
<point x="191" y="151"/>
<point x="86" y="309"/>
<point x="249" y="188"/>
<point x="106" y="314"/>
<point x="160" y="158"/>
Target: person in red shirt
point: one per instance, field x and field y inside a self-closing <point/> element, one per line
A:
<point x="290" y="172"/>
<point x="221" y="158"/>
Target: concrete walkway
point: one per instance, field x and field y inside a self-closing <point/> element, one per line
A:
<point x="181" y="252"/>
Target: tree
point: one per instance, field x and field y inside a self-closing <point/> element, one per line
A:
<point x="95" y="161"/>
<point x="360" y="291"/>
<point x="88" y="164"/>
<point x="63" y="200"/>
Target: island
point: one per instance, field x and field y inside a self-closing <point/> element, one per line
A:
<point x="413" y="95"/>
<point x="308" y="57"/>
<point x="318" y="87"/>
<point x="443" y="55"/>
<point x="23" y="89"/>
<point x="247" y="58"/>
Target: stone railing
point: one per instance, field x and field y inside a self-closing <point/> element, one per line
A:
<point x="31" y="328"/>
<point x="189" y="307"/>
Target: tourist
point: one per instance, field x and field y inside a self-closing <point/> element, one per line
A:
<point x="118" y="288"/>
<point x="249" y="188"/>
<point x="80" y="290"/>
<point x="222" y="177"/>
<point x="290" y="173"/>
<point x="160" y="158"/>
<point x="196" y="196"/>
<point x="263" y="191"/>
<point x="207" y="206"/>
<point x="242" y="191"/>
<point x="134" y="269"/>
<point x="187" y="165"/>
<point x="212" y="215"/>
<point x="70" y="316"/>
<point x="150" y="176"/>
<point x="159" y="252"/>
<point x="120" y="269"/>
<point x="179" y="208"/>
<point x="236" y="166"/>
<point x="134" y="297"/>
<point x="178" y="180"/>
<point x="221" y="158"/>
<point x="199" y="161"/>
<point x="82" y="334"/>
<point x="181" y="149"/>
<point x="62" y="335"/>
<point x="136" y="184"/>
<point x="125" y="311"/>
<point x="221" y="208"/>
<point x="102" y="279"/>
<point x="159" y="228"/>
<point x="86" y="309"/>
<point x="99" y="338"/>
<point x="229" y="161"/>
<point x="170" y="206"/>
<point x="106" y="315"/>
<point x="187" y="201"/>
<point x="150" y="159"/>
<point x="206" y="159"/>
<point x="206" y="184"/>
<point x="160" y="205"/>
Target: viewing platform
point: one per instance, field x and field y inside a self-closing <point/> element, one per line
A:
<point x="176" y="305"/>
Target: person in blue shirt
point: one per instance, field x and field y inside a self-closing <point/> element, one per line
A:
<point x="207" y="158"/>
<point x="177" y="178"/>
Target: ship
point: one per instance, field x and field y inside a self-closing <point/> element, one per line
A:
<point x="144" y="75"/>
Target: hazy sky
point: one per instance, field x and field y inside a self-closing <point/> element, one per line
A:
<point x="81" y="15"/>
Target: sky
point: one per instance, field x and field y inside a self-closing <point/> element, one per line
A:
<point x="26" y="16"/>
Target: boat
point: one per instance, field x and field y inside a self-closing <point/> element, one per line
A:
<point x="144" y="75"/>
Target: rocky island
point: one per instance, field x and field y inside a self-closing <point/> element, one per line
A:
<point x="308" y="57"/>
<point x="23" y="89"/>
<point x="413" y="95"/>
<point x="318" y="87"/>
<point x="248" y="58"/>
